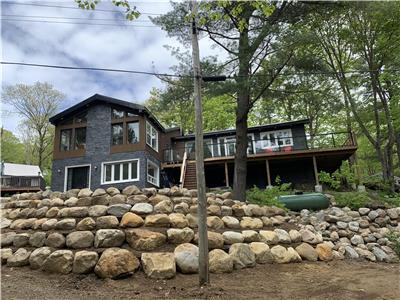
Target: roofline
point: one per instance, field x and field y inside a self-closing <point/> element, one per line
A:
<point x="250" y="129"/>
<point x="105" y="99"/>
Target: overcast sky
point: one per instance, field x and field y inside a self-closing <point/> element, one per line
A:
<point x="117" y="47"/>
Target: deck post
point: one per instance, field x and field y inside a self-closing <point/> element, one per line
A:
<point x="226" y="175"/>
<point x="318" y="187"/>
<point x="269" y="184"/>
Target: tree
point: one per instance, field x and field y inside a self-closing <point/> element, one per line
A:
<point x="363" y="36"/>
<point x="35" y="104"/>
<point x="12" y="150"/>
<point x="251" y="33"/>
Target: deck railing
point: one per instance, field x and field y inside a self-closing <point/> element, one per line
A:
<point x="22" y="182"/>
<point x="271" y="145"/>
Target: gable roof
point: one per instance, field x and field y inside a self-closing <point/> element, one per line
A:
<point x="9" y="169"/>
<point x="267" y="127"/>
<point x="97" y="98"/>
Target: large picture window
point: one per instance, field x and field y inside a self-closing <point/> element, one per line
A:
<point x="153" y="173"/>
<point x="117" y="133"/>
<point x="276" y="139"/>
<point x="120" y="171"/>
<point x="151" y="136"/>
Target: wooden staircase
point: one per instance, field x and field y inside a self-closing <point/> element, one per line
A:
<point x="190" y="176"/>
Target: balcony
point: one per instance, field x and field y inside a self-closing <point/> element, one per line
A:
<point x="22" y="183"/>
<point x="274" y="146"/>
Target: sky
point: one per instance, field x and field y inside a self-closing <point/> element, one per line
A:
<point x="137" y="47"/>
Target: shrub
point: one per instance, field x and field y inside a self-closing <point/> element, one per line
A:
<point x="268" y="196"/>
<point x="343" y="177"/>
<point x="354" y="200"/>
<point x="394" y="237"/>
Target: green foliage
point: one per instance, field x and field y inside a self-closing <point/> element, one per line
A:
<point x="354" y="200"/>
<point x="394" y="237"/>
<point x="131" y="13"/>
<point x="344" y="177"/>
<point x="12" y="150"/>
<point x="268" y="196"/>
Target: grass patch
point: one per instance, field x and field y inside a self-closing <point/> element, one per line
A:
<point x="354" y="200"/>
<point x="394" y="237"/>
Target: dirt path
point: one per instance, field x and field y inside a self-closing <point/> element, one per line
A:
<point x="334" y="280"/>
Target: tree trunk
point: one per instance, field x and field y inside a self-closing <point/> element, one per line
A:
<point x="242" y="109"/>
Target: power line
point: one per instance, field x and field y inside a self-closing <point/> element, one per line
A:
<point x="71" y="7"/>
<point x="73" y="18"/>
<point x="80" y="23"/>
<point x="92" y="69"/>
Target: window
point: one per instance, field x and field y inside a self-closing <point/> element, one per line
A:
<point x="274" y="139"/>
<point x="66" y="137"/>
<point x="189" y="147"/>
<point x="151" y="136"/>
<point x="208" y="148"/>
<point x="153" y="173"/>
<point x="227" y="145"/>
<point x="117" y="114"/>
<point x="133" y="132"/>
<point x="117" y="133"/>
<point x="120" y="171"/>
<point x="130" y="114"/>
<point x="80" y="138"/>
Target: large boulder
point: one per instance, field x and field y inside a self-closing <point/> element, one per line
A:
<point x="109" y="238"/>
<point x="55" y="240"/>
<point x="97" y="210"/>
<point x="49" y="224"/>
<point x="158" y="220"/>
<point x="80" y="239"/>
<point x="242" y="256"/>
<point x="269" y="237"/>
<point x="142" y="208"/>
<point x="66" y="224"/>
<point x="7" y="238"/>
<point x="38" y="257"/>
<point x="84" y="262"/>
<point x="60" y="261"/>
<point x="215" y="222"/>
<point x="262" y="252"/>
<point x="280" y="254"/>
<point x="85" y="193"/>
<point x="159" y="265"/>
<point x="187" y="258"/>
<point x="251" y="223"/>
<point x="283" y="236"/>
<point x="232" y="237"/>
<point x="117" y="199"/>
<point x="19" y="258"/>
<point x="144" y="240"/>
<point x="164" y="207"/>
<point x="116" y="263"/>
<point x="178" y="220"/>
<point x="130" y="219"/>
<point x="21" y="240"/>
<point x="220" y="261"/>
<point x="231" y="222"/>
<point x="5" y="253"/>
<point x="215" y="240"/>
<point x="307" y="252"/>
<point x="74" y="212"/>
<point x="131" y="190"/>
<point x="107" y="222"/>
<point x="86" y="224"/>
<point x="180" y="236"/>
<point x="250" y="236"/>
<point x="324" y="251"/>
<point x="118" y="210"/>
<point x="37" y="239"/>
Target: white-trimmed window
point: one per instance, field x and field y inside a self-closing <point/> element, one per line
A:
<point x="275" y="139"/>
<point x="153" y="173"/>
<point x="120" y="171"/>
<point x="151" y="136"/>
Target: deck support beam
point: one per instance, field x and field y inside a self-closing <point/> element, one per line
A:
<point x="226" y="175"/>
<point x="318" y="187"/>
<point x="269" y="184"/>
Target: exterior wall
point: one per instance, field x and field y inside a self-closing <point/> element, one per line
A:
<point x="98" y="150"/>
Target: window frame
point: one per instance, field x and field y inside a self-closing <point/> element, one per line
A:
<point x="153" y="164"/>
<point x="152" y="130"/>
<point x="127" y="132"/>
<point x="71" y="140"/>
<point x="266" y="144"/>
<point x="75" y="140"/>
<point x="112" y="133"/>
<point x="120" y="163"/>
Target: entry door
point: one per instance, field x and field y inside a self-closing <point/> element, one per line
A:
<point x="78" y="177"/>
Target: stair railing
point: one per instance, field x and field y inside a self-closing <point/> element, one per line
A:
<point x="183" y="170"/>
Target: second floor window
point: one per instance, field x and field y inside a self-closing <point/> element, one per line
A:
<point x="117" y="134"/>
<point x="80" y="138"/>
<point x="66" y="138"/>
<point x="151" y="136"/>
<point x="117" y="114"/>
<point x="133" y="132"/>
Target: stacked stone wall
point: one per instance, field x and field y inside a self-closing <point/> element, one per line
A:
<point x="114" y="233"/>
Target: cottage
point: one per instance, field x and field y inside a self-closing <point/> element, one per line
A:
<point x="103" y="141"/>
<point x="18" y="178"/>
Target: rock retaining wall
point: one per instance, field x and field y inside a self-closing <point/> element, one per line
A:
<point x="115" y="233"/>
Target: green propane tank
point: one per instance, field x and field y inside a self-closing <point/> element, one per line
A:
<point x="313" y="201"/>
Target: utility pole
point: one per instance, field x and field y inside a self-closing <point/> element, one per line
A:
<point x="199" y="152"/>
